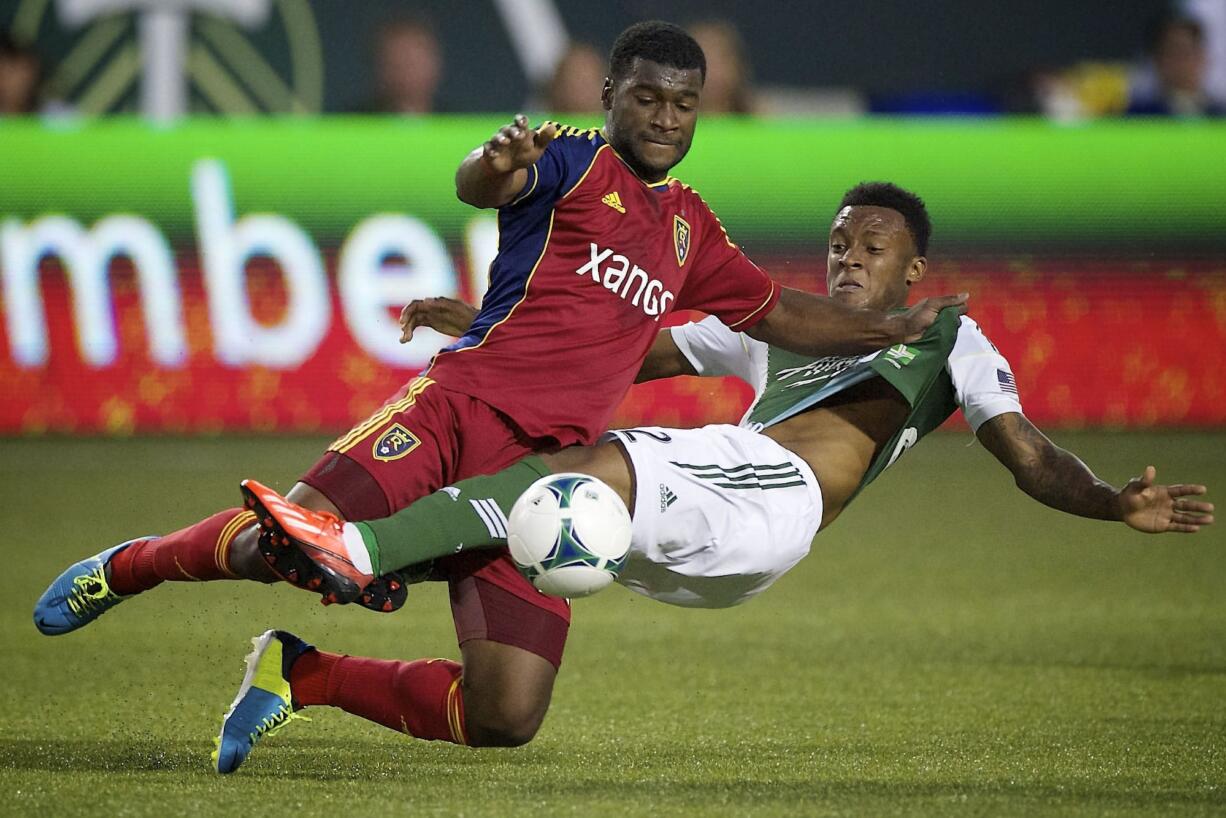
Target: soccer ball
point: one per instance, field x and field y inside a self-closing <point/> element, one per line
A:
<point x="569" y="534"/>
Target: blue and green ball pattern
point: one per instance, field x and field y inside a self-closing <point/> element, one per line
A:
<point x="569" y="549"/>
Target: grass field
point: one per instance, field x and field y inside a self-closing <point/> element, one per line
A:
<point x="949" y="648"/>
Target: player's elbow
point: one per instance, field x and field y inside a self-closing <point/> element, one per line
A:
<point x="465" y="193"/>
<point x="467" y="189"/>
<point x="476" y="197"/>
<point x="1029" y="478"/>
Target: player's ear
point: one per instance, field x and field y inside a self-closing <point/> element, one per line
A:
<point x="916" y="270"/>
<point x="606" y="94"/>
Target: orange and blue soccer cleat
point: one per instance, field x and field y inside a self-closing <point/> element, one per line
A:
<point x="79" y="595"/>
<point x="303" y="547"/>
<point x="264" y="703"/>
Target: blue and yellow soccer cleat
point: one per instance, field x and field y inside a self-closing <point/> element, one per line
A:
<point x="79" y="595"/>
<point x="264" y="704"/>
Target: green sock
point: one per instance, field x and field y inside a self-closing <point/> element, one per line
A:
<point x="470" y="514"/>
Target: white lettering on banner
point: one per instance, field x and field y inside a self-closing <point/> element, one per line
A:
<point x="620" y="276"/>
<point x="86" y="257"/>
<point x="369" y="285"/>
<point x="225" y="247"/>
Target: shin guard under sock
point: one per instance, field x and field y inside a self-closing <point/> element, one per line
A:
<point x="423" y="698"/>
<point x="197" y="553"/>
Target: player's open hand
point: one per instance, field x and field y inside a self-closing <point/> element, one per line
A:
<point x="923" y="314"/>
<point x="445" y="315"/>
<point x="517" y="145"/>
<point x="1156" y="509"/>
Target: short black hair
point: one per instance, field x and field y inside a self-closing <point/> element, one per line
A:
<point x="657" y="41"/>
<point x="888" y="194"/>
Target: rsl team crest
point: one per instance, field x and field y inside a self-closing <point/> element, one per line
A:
<point x="681" y="239"/>
<point x="395" y="443"/>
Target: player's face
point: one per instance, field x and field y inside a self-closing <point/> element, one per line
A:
<point x="650" y="115"/>
<point x="872" y="259"/>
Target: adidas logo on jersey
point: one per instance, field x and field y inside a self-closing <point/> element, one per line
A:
<point x="614" y="201"/>
<point x="629" y="282"/>
<point x="667" y="498"/>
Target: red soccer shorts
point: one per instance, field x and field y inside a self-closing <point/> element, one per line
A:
<point x="424" y="438"/>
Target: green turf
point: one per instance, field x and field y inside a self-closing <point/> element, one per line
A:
<point x="950" y="648"/>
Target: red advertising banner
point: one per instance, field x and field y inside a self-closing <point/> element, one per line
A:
<point x="1116" y="344"/>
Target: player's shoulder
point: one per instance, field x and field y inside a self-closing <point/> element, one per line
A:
<point x="574" y="141"/>
<point x="967" y="325"/>
<point x="971" y="339"/>
<point x="698" y="213"/>
<point x="689" y="194"/>
<point x="566" y="161"/>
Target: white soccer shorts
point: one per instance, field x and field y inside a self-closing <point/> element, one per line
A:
<point x="720" y="513"/>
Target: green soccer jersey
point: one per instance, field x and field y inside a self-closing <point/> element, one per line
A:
<point x="953" y="365"/>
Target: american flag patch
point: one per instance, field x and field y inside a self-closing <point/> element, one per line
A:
<point x="1007" y="384"/>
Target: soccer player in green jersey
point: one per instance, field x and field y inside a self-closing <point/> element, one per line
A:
<point x="720" y="512"/>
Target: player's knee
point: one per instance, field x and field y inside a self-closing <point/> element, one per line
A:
<point x="509" y="722"/>
<point x="504" y="733"/>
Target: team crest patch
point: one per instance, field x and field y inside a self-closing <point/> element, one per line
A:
<point x="395" y="443"/>
<point x="681" y="239"/>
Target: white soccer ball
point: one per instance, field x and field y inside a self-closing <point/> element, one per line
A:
<point x="569" y="533"/>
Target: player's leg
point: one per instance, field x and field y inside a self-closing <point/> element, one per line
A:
<point x="185" y="555"/>
<point x="472" y="513"/>
<point x="223" y="546"/>
<point x="506" y="690"/>
<point x="497" y="698"/>
<point x="338" y="559"/>
<point x="511" y="636"/>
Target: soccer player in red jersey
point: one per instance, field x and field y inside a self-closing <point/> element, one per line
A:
<point x="597" y="243"/>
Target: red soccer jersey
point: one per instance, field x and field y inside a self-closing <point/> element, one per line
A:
<point x="590" y="258"/>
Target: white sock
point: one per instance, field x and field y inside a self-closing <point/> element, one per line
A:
<point x="356" y="546"/>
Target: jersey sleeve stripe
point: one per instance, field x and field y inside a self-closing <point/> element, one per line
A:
<point x="590" y="165"/>
<point x="472" y="343"/>
<point x="769" y="298"/>
<point x="536" y="177"/>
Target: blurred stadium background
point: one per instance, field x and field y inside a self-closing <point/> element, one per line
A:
<point x="212" y="210"/>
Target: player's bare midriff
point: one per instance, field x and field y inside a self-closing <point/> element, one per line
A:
<point x="840" y="437"/>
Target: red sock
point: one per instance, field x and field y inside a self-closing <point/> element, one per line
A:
<point x="194" y="554"/>
<point x="422" y="698"/>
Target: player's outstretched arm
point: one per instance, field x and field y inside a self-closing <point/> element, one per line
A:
<point x="1058" y="478"/>
<point x="664" y="360"/>
<point x="493" y="173"/>
<point x="446" y="315"/>
<point x="815" y="325"/>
